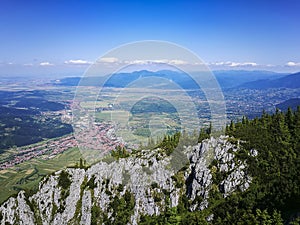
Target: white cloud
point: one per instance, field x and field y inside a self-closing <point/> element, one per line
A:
<point x="46" y="64"/>
<point x="228" y="63"/>
<point x="165" y="61"/>
<point x="136" y="62"/>
<point x="218" y="64"/>
<point x="108" y="60"/>
<point x="144" y="61"/>
<point x="292" y="64"/>
<point x="113" y="60"/>
<point x="169" y="61"/>
<point x="235" y="64"/>
<point x="7" y="63"/>
<point x="178" y="62"/>
<point x="77" y="62"/>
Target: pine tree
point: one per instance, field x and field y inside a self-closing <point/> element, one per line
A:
<point x="203" y="135"/>
<point x="289" y="118"/>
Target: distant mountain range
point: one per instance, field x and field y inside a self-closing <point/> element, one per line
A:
<point x="226" y="79"/>
<point x="288" y="81"/>
<point x="235" y="78"/>
<point x="124" y="79"/>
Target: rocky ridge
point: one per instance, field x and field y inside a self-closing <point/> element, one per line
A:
<point x="127" y="188"/>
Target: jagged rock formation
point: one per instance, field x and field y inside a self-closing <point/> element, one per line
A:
<point x="142" y="184"/>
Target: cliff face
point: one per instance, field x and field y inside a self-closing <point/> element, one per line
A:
<point x="142" y="184"/>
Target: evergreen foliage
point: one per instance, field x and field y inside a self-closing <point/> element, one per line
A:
<point x="122" y="207"/>
<point x="64" y="181"/>
<point x="274" y="194"/>
<point x="169" y="143"/>
<point x="120" y="152"/>
<point x="276" y="169"/>
<point x="205" y="133"/>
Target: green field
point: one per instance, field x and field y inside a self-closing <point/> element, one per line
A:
<point x="26" y="176"/>
<point x="94" y="104"/>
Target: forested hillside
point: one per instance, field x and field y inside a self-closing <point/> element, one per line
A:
<point x="276" y="171"/>
<point x="274" y="193"/>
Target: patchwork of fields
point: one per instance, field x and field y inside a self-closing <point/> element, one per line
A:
<point x="27" y="175"/>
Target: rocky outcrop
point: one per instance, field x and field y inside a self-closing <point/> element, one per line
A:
<point x="209" y="158"/>
<point x="142" y="184"/>
<point x="17" y="211"/>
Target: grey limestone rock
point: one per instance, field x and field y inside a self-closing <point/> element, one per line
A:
<point x="147" y="175"/>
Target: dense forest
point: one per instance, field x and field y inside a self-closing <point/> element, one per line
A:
<point x="274" y="194"/>
<point x="22" y="118"/>
<point x="26" y="126"/>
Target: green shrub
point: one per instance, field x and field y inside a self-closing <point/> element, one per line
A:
<point x="64" y="181"/>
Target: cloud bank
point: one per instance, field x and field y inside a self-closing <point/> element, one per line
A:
<point x="46" y="64"/>
<point x="77" y="62"/>
<point x="292" y="64"/>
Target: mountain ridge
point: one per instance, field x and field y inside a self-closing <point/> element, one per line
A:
<point x="226" y="79"/>
<point x="102" y="193"/>
<point x="288" y="81"/>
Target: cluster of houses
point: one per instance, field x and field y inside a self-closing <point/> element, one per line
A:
<point x="101" y="137"/>
<point x="46" y="149"/>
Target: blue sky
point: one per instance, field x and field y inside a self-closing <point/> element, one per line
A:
<point x="52" y="37"/>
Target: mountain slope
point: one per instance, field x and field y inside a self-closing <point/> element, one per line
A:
<point x="127" y="190"/>
<point x="293" y="103"/>
<point x="289" y="81"/>
<point x="234" y="78"/>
